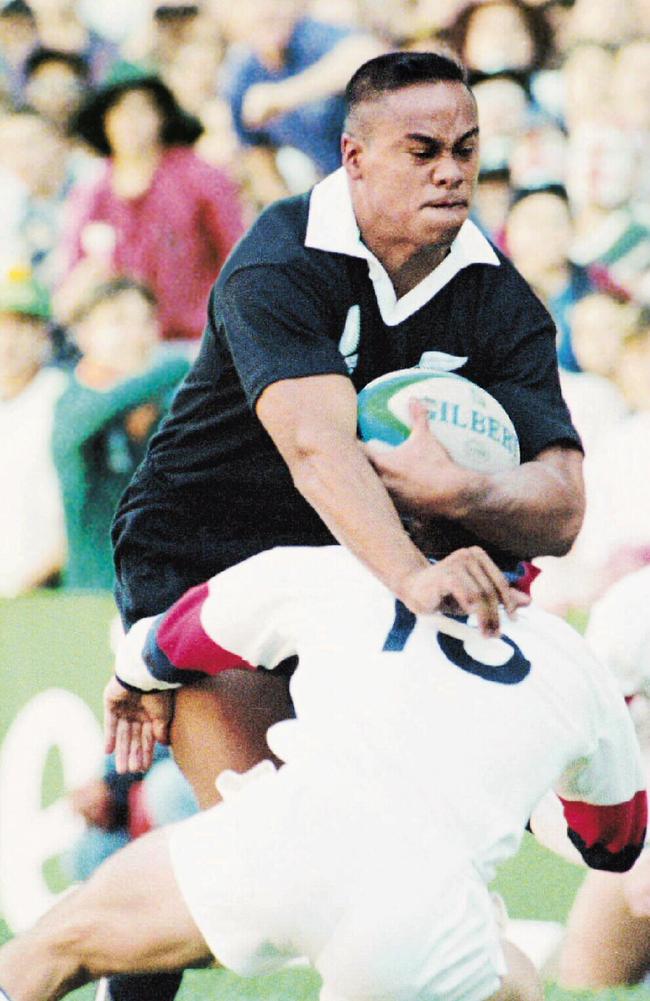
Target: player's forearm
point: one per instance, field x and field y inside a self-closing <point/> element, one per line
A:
<point x="534" y="510"/>
<point x="312" y="422"/>
<point x="333" y="474"/>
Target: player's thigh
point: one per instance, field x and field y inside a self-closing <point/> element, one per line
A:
<point x="130" y="916"/>
<point x="222" y="722"/>
<point x="605" y="945"/>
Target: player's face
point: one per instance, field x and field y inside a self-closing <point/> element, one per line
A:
<point x="414" y="163"/>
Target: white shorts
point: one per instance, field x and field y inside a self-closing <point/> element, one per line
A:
<point x="269" y="875"/>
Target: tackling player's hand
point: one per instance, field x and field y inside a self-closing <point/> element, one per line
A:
<point x="466" y="582"/>
<point x="420" y="475"/>
<point x="133" y="722"/>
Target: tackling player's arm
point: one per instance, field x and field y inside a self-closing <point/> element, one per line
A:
<point x="608" y="837"/>
<point x="313" y="423"/>
<point x="229" y="622"/>
<point x="533" y="510"/>
<point x="603" y="798"/>
<point x="242" y="618"/>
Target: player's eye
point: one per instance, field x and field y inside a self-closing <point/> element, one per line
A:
<point x="466" y="152"/>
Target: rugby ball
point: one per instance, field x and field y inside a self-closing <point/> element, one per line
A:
<point x="473" y="426"/>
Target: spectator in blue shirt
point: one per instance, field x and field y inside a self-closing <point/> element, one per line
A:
<point x="285" y="86"/>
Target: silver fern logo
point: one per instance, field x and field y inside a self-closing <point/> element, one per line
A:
<point x="440" y="361"/>
<point x="349" y="342"/>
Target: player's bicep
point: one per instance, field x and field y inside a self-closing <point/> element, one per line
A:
<point x="306" y="415"/>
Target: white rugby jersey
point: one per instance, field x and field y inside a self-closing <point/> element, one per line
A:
<point x="464" y="734"/>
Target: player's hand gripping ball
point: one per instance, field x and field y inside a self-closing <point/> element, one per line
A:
<point x="473" y="426"/>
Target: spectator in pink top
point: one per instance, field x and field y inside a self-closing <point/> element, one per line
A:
<point x="157" y="213"/>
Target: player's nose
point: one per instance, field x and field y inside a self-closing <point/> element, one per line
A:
<point x="448" y="172"/>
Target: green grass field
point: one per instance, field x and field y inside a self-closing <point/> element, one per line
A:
<point x="51" y="640"/>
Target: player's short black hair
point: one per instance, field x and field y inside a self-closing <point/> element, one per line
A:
<point x="395" y="70"/>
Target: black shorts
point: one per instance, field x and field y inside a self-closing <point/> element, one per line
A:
<point x="160" y="549"/>
<point x="164" y="544"/>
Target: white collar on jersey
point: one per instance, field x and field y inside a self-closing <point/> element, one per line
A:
<point x="332" y="226"/>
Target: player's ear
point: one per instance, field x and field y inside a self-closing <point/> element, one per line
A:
<point x="352" y="154"/>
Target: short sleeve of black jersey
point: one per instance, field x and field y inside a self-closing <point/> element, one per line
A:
<point x="277" y="326"/>
<point x="523" y="368"/>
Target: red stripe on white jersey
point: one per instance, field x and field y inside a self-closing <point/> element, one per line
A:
<point x="615" y="827"/>
<point x="184" y="641"/>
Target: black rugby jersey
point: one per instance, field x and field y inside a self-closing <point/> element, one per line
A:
<point x="213" y="489"/>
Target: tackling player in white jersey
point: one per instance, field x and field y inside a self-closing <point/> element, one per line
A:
<point x="607" y="942"/>
<point x="418" y="753"/>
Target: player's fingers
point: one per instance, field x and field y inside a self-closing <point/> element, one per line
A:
<point x="122" y="739"/>
<point x="474" y="593"/>
<point x="486" y="610"/>
<point x="147" y="743"/>
<point x="419" y="416"/>
<point x="110" y="726"/>
<point x="520" y="598"/>
<point x="159" y="711"/>
<point x="497" y="579"/>
<point x="161" y="729"/>
<point x="135" y="747"/>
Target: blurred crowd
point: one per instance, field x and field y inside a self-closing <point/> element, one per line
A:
<point x="138" y="140"/>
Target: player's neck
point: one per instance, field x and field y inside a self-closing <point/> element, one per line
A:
<point x="416" y="268"/>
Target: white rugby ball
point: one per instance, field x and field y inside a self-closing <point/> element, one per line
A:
<point x="473" y="426"/>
